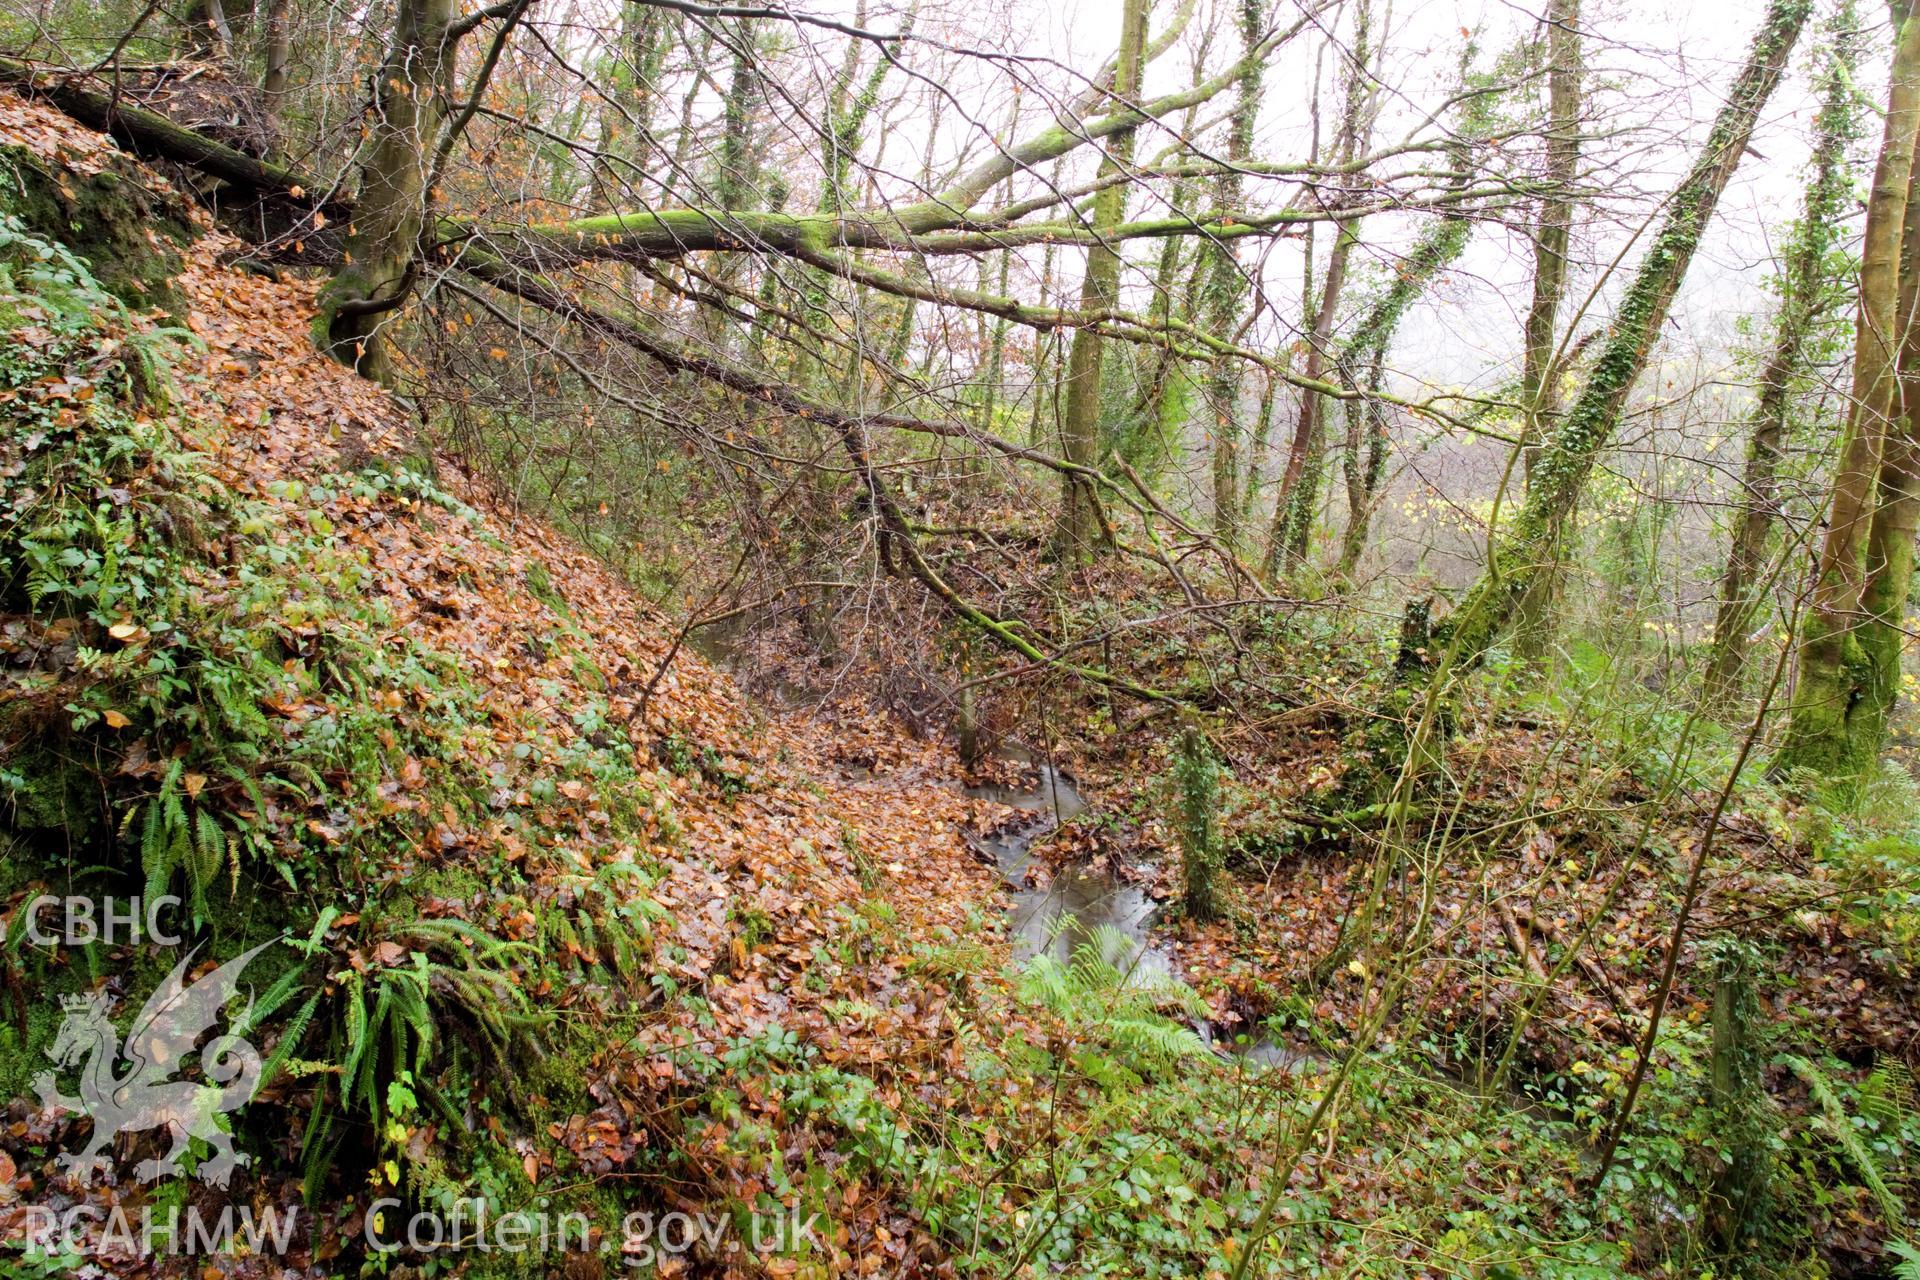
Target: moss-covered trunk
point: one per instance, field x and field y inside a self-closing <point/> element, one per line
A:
<point x="1828" y="185"/>
<point x="1077" y="530"/>
<point x="1227" y="287"/>
<point x="1364" y="465"/>
<point x="1551" y="240"/>
<point x="1555" y="227"/>
<point x="1299" y="497"/>
<point x="1569" y="457"/>
<point x="1838" y="716"/>
<point x="411" y="93"/>
<point x="1306" y="457"/>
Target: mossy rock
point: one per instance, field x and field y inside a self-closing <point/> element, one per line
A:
<point x="129" y="229"/>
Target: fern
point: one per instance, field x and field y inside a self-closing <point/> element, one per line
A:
<point x="175" y="838"/>
<point x="1099" y="993"/>
<point x="1839" y="1124"/>
<point x="284" y="988"/>
<point x="1887" y="1096"/>
<point x="290" y="1038"/>
<point x="156" y="851"/>
<point x="210" y="848"/>
<point x="1908" y="1268"/>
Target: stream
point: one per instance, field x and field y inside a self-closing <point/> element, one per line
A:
<point x="1051" y="919"/>
<point x="1058" y="916"/>
<point x="1080" y="898"/>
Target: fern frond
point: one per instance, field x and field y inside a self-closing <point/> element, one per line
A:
<point x="290" y="1038"/>
<point x="1888" y="1096"/>
<point x="156" y="850"/>
<point x="210" y="846"/>
<point x="1839" y="1124"/>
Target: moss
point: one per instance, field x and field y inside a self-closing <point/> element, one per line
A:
<point x="450" y="882"/>
<point x="23" y="1045"/>
<point x="42" y="790"/>
<point x="129" y="232"/>
<point x="1838" y="722"/>
<point x="1196" y="772"/>
<point x="673" y="231"/>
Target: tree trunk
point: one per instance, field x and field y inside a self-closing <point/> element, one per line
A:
<point x="626" y="118"/>
<point x="1257" y="448"/>
<point x="279" y="52"/>
<point x="1569" y="457"/>
<point x="1889" y="558"/>
<point x="1836" y="722"/>
<point x="1299" y="483"/>
<point x="209" y="35"/>
<point x="1828" y="188"/>
<point x="1078" y="528"/>
<point x="411" y="94"/>
<point x="1299" y="497"/>
<point x="1366" y="427"/>
<point x="1307" y="460"/>
<point x="1555" y="231"/>
<point x="1551" y="243"/>
<point x="1226" y="287"/>
<point x="1439" y="245"/>
<point x="736" y="181"/>
<point x="1161" y="407"/>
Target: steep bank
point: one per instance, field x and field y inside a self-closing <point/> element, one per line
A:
<point x="262" y="655"/>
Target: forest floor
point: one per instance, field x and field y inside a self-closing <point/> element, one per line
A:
<point x="769" y="968"/>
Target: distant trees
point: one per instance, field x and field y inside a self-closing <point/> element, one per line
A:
<point x="1299" y="497"/>
<point x="1527" y="545"/>
<point x="1805" y="291"/>
<point x="1227" y="292"/>
<point x="1079" y="525"/>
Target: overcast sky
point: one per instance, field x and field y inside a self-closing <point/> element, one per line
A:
<point x="1656" y="72"/>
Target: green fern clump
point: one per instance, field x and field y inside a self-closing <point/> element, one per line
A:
<point x="1853" y="1138"/>
<point x="161" y="607"/>
<point x="1099" y="992"/>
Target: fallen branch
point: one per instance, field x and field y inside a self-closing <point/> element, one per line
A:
<point x="1517" y="939"/>
<point x="1596" y="972"/>
<point x="276" y="204"/>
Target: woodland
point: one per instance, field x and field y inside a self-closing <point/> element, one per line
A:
<point x="903" y="638"/>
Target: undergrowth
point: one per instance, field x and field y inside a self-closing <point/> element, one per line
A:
<point x="208" y="699"/>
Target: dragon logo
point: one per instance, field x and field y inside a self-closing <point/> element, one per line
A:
<point x="145" y="1096"/>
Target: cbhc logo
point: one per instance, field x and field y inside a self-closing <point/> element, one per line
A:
<point x="113" y="921"/>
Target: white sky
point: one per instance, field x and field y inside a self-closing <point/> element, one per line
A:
<point x="1656" y="73"/>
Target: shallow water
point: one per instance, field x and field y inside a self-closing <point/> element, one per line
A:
<point x="1055" y="918"/>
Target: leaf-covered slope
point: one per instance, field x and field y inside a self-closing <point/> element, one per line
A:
<point x="255" y="650"/>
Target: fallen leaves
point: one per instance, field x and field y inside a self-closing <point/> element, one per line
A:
<point x="762" y="841"/>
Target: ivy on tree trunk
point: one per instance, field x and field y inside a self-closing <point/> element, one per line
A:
<point x="1828" y="187"/>
<point x="411" y="93"/>
<point x="1838" y="719"/>
<point x="1079" y="517"/>
<point x="1569" y="457"/>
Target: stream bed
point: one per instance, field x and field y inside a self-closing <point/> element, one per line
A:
<point x="1077" y="900"/>
<point x="1057" y="916"/>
